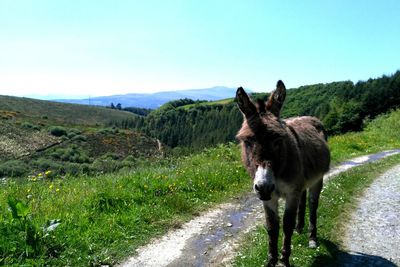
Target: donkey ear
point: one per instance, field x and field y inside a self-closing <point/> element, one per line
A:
<point x="276" y="99"/>
<point x="244" y="103"/>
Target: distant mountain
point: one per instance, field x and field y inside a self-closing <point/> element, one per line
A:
<point x="155" y="100"/>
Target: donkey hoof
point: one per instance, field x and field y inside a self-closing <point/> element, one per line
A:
<point x="299" y="229"/>
<point x="312" y="244"/>
<point x="284" y="263"/>
<point x="271" y="263"/>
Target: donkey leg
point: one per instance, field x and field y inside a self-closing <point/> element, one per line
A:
<point x="272" y="227"/>
<point x="313" y="199"/>
<point x="289" y="220"/>
<point x="301" y="212"/>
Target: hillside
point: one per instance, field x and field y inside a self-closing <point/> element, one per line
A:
<point x="41" y="110"/>
<point x="36" y="136"/>
<point x="155" y="100"/>
<point x="342" y="106"/>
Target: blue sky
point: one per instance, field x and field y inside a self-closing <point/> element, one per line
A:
<point x="109" y="47"/>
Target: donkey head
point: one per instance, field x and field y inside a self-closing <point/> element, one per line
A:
<point x="262" y="138"/>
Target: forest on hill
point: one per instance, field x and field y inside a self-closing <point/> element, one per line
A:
<point x="342" y="106"/>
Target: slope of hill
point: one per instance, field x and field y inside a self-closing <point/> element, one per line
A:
<point x="61" y="112"/>
<point x="342" y="106"/>
<point x="37" y="136"/>
<point x="155" y="100"/>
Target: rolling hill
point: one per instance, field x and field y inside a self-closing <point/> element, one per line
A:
<point x="155" y="100"/>
<point x="37" y="136"/>
<point x="60" y="112"/>
<point x="342" y="106"/>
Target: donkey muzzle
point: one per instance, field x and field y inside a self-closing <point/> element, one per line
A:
<point x="264" y="190"/>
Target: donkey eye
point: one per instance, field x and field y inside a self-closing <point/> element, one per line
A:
<point x="249" y="143"/>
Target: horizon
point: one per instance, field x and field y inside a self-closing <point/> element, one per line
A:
<point x="248" y="90"/>
<point x="89" y="49"/>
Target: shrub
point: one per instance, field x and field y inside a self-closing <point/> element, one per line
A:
<point x="58" y="131"/>
<point x="13" y="168"/>
<point x="44" y="164"/>
<point x="71" y="154"/>
<point x="73" y="132"/>
<point x="110" y="155"/>
<point x="79" y="138"/>
<point x="30" y="126"/>
<point x="107" y="131"/>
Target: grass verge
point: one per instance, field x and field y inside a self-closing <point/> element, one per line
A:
<point x="338" y="199"/>
<point x="380" y="134"/>
<point x="100" y="220"/>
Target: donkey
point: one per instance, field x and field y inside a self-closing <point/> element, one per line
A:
<point x="284" y="158"/>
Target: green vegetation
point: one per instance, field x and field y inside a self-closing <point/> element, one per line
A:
<point x="342" y="106"/>
<point x="138" y="111"/>
<point x="84" y="153"/>
<point x="79" y="188"/>
<point x="337" y="200"/>
<point x="379" y="134"/>
<point x="40" y="111"/>
<point x="179" y="103"/>
<point x="36" y="136"/>
<point x="102" y="218"/>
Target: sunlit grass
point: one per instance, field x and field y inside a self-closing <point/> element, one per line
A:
<point x="337" y="201"/>
<point x="106" y="217"/>
<point x="380" y="134"/>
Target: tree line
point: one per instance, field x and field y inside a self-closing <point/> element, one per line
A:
<point x="342" y="107"/>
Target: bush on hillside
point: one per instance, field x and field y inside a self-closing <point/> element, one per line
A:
<point x="43" y="164"/>
<point x="30" y="126"/>
<point x="70" y="154"/>
<point x="13" y="168"/>
<point x="58" y="131"/>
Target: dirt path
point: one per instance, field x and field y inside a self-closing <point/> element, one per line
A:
<point x="212" y="238"/>
<point x="373" y="236"/>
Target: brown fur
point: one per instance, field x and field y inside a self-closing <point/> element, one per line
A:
<point x="295" y="153"/>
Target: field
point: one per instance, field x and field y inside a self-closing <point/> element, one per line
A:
<point x="93" y="220"/>
<point x="37" y="136"/>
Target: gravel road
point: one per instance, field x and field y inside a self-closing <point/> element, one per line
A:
<point x="373" y="234"/>
<point x="212" y="238"/>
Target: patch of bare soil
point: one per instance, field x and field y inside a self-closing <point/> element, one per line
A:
<point x="16" y="142"/>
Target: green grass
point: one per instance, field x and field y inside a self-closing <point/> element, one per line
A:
<point x="106" y="217"/>
<point x="380" y="134"/>
<point x="336" y="203"/>
<point x="209" y="103"/>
